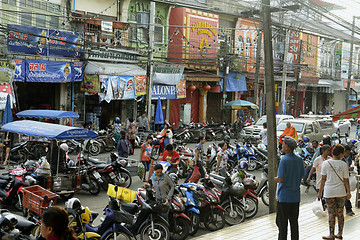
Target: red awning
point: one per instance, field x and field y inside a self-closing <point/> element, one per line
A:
<point x="352" y="113"/>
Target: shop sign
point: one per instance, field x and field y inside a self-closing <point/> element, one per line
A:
<point x="120" y="87"/>
<point x="6" y="71"/>
<point x="44" y="42"/>
<point x="338" y="55"/>
<point x="140" y="85"/>
<point x="53" y="71"/>
<point x="163" y="91"/>
<point x="106" y="26"/>
<point x="19" y="73"/>
<point x="112" y="55"/>
<point x="5" y="89"/>
<point x="91" y="84"/>
<point x="181" y="89"/>
<point x="294" y="44"/>
<point x="167" y="74"/>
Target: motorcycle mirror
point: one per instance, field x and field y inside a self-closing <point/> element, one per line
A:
<point x="116" y="188"/>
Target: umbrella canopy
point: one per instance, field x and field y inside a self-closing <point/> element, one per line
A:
<point x="48" y="130"/>
<point x="53" y="114"/>
<point x="159" y="117"/>
<point x="352" y="113"/>
<point x="8" y="117"/>
<point x="240" y="104"/>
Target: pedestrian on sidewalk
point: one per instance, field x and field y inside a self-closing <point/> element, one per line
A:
<point x="263" y="134"/>
<point x="123" y="146"/>
<point x="237" y="127"/>
<point x="222" y="159"/>
<point x="325" y="152"/>
<point x="347" y="159"/>
<point x="199" y="148"/>
<point x="335" y="185"/>
<point x="290" y="172"/>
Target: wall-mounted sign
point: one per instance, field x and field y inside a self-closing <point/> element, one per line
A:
<point x="163" y="91"/>
<point x="44" y="42"/>
<point x="106" y="26"/>
<point x="114" y="55"/>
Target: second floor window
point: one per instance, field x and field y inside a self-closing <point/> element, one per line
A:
<point x="26" y="19"/>
<point x="40" y="20"/>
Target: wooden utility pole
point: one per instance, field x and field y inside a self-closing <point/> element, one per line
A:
<point x="150" y="67"/>
<point x="347" y="99"/>
<point x="270" y="104"/>
<point x="257" y="70"/>
<point x="298" y="72"/>
<point x="225" y="73"/>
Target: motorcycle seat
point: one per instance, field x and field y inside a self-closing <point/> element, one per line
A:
<point x="90" y="228"/>
<point x="262" y="150"/>
<point x="7" y="178"/>
<point x="95" y="161"/>
<point x="101" y="166"/>
<point x="130" y="207"/>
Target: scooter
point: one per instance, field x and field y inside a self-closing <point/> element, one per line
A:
<point x="13" y="226"/>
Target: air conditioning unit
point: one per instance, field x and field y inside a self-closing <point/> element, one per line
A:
<point x="142" y="18"/>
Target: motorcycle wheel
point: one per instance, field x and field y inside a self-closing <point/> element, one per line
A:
<point x="182" y="170"/>
<point x="181" y="230"/>
<point x="252" y="165"/>
<point x="219" y="136"/>
<point x="213" y="164"/>
<point x="236" y="216"/>
<point x="214" y="221"/>
<point x="251" y="207"/>
<point x="94" y="187"/>
<point x="94" y="148"/>
<point x="155" y="153"/>
<point x="209" y="137"/>
<point x="161" y="232"/>
<point x="265" y="196"/>
<point x="195" y="221"/>
<point x="123" y="179"/>
<point x="119" y="236"/>
<point x="72" y="147"/>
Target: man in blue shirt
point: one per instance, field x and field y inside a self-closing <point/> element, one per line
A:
<point x="291" y="171"/>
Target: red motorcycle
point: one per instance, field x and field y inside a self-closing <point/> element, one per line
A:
<point x="250" y="198"/>
<point x="158" y="146"/>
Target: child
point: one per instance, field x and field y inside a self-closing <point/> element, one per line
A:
<point x="145" y="154"/>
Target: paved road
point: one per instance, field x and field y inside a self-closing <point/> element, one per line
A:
<point x="97" y="203"/>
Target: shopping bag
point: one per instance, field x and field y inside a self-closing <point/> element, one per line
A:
<point x="318" y="209"/>
<point x="141" y="170"/>
<point x="44" y="169"/>
<point x="352" y="181"/>
<point x="195" y="176"/>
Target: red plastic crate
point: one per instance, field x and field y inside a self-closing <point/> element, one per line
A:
<point x="33" y="198"/>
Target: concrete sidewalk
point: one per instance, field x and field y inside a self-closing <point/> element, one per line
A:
<point x="310" y="227"/>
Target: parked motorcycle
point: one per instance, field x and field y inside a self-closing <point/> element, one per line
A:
<point x="90" y="145"/>
<point x="144" y="219"/>
<point x="15" y="227"/>
<point x="113" y="172"/>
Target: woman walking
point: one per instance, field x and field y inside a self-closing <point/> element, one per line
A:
<point x="131" y="134"/>
<point x="335" y="184"/>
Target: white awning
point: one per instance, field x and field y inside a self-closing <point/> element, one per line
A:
<point x="116" y="69"/>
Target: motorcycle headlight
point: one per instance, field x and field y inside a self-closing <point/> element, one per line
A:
<point x="213" y="199"/>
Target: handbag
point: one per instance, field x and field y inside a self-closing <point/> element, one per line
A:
<point x="195" y="176"/>
<point x="318" y="208"/>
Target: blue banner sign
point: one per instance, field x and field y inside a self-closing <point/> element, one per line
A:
<point x="54" y="71"/>
<point x="44" y="42"/>
<point x="164" y="91"/>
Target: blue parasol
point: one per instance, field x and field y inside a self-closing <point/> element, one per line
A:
<point x="159" y="117"/>
<point x="8" y="117"/>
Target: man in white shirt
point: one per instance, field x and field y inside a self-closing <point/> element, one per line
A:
<point x="263" y="134"/>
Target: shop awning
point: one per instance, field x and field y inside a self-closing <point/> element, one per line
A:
<point x="116" y="69"/>
<point x="53" y="114"/>
<point x="352" y="113"/>
<point x="202" y="77"/>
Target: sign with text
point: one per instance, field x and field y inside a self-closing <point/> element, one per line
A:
<point x="106" y="26"/>
<point x="140" y="85"/>
<point x="163" y="91"/>
<point x="294" y="45"/>
<point x="19" y="73"/>
<point x="53" y="71"/>
<point x="44" y="42"/>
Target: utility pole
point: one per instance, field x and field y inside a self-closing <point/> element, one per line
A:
<point x="284" y="74"/>
<point x="150" y="66"/>
<point x="347" y="99"/>
<point x="298" y="72"/>
<point x="270" y="104"/>
<point x="257" y="70"/>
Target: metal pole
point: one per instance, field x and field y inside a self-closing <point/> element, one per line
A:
<point x="257" y="70"/>
<point x="270" y="104"/>
<point x="225" y="72"/>
<point x="297" y="80"/>
<point x="150" y="67"/>
<point x="347" y="99"/>
<point x="284" y="75"/>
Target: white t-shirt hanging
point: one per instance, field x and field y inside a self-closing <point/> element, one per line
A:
<point x="334" y="187"/>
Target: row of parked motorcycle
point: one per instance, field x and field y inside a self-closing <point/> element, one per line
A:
<point x="215" y="201"/>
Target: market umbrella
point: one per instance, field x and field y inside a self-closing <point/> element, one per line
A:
<point x="240" y="104"/>
<point x="352" y="113"/>
<point x="159" y="118"/>
<point x="8" y="117"/>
